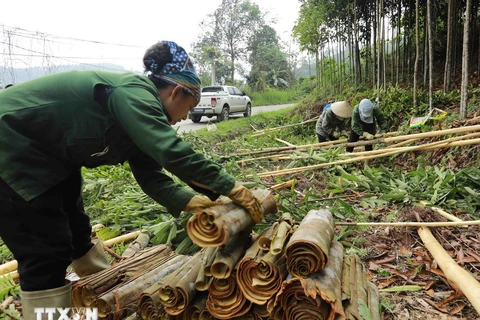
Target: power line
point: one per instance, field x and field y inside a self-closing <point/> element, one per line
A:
<point x="71" y="38"/>
<point x="62" y="57"/>
<point x="66" y="58"/>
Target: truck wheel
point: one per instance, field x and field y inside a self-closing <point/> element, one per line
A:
<point x="196" y="118"/>
<point x="224" y="115"/>
<point x="248" y="111"/>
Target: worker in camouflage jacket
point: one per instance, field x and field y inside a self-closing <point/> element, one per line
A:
<point x="53" y="126"/>
<point x="365" y="119"/>
<point x="334" y="117"/>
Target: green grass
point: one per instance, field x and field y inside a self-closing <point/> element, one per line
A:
<point x="273" y="96"/>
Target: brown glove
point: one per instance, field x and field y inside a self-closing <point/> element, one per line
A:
<point x="199" y="202"/>
<point x="244" y="197"/>
<point x="368" y="135"/>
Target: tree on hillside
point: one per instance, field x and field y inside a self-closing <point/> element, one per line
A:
<point x="270" y="67"/>
<point x="464" y="93"/>
<point x="236" y="21"/>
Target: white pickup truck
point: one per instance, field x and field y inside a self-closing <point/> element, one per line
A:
<point x="221" y="101"/>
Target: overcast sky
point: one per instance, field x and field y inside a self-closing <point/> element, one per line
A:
<point x="133" y="23"/>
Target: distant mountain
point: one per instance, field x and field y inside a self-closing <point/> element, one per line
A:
<point x="18" y="75"/>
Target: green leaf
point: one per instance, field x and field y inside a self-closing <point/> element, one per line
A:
<point x="402" y="288"/>
<point x="364" y="311"/>
<point x="470" y="190"/>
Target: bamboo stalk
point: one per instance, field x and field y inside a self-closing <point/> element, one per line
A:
<point x="463" y="279"/>
<point x="409" y="224"/>
<point x="283" y="185"/>
<point x="262" y="132"/>
<point x="401" y="144"/>
<point x="426" y="146"/>
<point x="308" y="146"/>
<point x="442" y="212"/>
<point x="356" y="159"/>
<point x="212" y="227"/>
<point x="97" y="227"/>
<point x="285" y="142"/>
<point x="308" y="249"/>
<point x="6" y="302"/>
<point x="8" y="267"/>
<point x="389" y="137"/>
<point x="433" y="133"/>
<point x="14" y="275"/>
<point x="123" y="238"/>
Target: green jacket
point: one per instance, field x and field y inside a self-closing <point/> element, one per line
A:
<point x="358" y="124"/>
<point x="327" y="123"/>
<point x="53" y="125"/>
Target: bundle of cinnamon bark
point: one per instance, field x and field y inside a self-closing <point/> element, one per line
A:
<point x="290" y="271"/>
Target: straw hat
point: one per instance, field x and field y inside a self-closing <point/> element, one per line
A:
<point x="342" y="109"/>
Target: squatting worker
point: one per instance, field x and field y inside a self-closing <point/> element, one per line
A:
<point x="333" y="117"/>
<point x="365" y="118"/>
<point x="52" y="126"/>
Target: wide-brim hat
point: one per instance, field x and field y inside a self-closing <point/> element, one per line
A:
<point x="366" y="110"/>
<point x="342" y="109"/>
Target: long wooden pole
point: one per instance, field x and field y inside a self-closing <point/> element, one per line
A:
<point x="262" y="132"/>
<point x="441" y="212"/>
<point x="13" y="264"/>
<point x="409" y="224"/>
<point x="389" y="137"/>
<point x="385" y="154"/>
<point x="462" y="278"/>
<point x="304" y="147"/>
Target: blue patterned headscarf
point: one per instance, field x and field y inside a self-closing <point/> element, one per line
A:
<point x="179" y="71"/>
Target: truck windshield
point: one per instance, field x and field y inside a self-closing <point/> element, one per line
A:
<point x="212" y="89"/>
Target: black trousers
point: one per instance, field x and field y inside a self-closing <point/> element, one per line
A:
<point x="323" y="139"/>
<point x="370" y="128"/>
<point x="46" y="233"/>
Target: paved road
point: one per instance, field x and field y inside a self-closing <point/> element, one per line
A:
<point x="188" y="125"/>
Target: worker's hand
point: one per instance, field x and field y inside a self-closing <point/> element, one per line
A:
<point x="244" y="197"/>
<point x="199" y="202"/>
<point x="345" y="133"/>
<point x="368" y="135"/>
<point x="336" y="135"/>
<point x="379" y="135"/>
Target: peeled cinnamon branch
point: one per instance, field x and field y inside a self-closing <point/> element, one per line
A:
<point x="177" y="289"/>
<point x="225" y="300"/>
<point x="122" y="299"/>
<point x="212" y="227"/>
<point x="150" y="306"/>
<point x="308" y="249"/>
<point x="86" y="290"/>
<point x="462" y="278"/>
<point x="260" y="273"/>
<point x="228" y="256"/>
<point x="316" y="297"/>
<point x="204" y="276"/>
